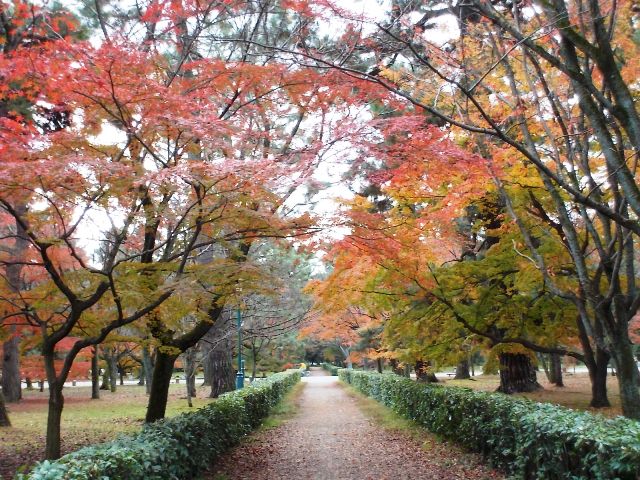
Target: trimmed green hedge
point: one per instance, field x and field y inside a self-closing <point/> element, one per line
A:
<point x="332" y="369"/>
<point x="525" y="439"/>
<point x="178" y="447"/>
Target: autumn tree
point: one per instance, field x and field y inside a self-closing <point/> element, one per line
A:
<point x="506" y="76"/>
<point x="150" y="177"/>
<point x="25" y="26"/>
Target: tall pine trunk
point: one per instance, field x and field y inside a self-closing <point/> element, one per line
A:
<point x="112" y="359"/>
<point x="517" y="374"/>
<point x="160" y="382"/>
<point x="11" y="370"/>
<point x="147" y="365"/>
<point x="222" y="376"/>
<point x="95" y="375"/>
<point x="4" y="415"/>
<point x="555" y="370"/>
<point x="190" y="373"/>
<point x="11" y="357"/>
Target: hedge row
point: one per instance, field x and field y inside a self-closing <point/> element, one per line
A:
<point x="526" y="439"/>
<point x="178" y="447"/>
<point x="332" y="369"/>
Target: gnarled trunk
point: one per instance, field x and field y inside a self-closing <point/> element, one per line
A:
<point x="462" y="370"/>
<point x="517" y="374"/>
<point x="222" y="374"/>
<point x="423" y="373"/>
<point x="395" y="367"/>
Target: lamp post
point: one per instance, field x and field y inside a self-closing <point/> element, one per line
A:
<point x="240" y="374"/>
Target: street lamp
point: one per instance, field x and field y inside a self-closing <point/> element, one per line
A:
<point x="240" y="374"/>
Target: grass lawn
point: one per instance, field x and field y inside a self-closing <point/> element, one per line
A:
<point x="84" y="421"/>
<point x="575" y="394"/>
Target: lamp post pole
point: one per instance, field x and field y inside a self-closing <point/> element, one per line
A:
<point x="240" y="374"/>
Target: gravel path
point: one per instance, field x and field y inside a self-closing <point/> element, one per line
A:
<point x="329" y="438"/>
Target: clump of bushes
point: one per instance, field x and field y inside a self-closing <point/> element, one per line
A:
<point x="523" y="438"/>
<point x="332" y="369"/>
<point x="176" y="448"/>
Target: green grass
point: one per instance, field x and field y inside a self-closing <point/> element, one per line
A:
<point x="286" y="409"/>
<point x="385" y="417"/>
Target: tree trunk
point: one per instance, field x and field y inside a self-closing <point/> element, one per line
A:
<point x="206" y="368"/>
<point x="190" y="373"/>
<point x="106" y="375"/>
<point x="346" y="351"/>
<point x="395" y="367"/>
<point x="555" y="370"/>
<point x="517" y="374"/>
<point x="159" y="395"/>
<point x="29" y="383"/>
<point x="222" y="376"/>
<point x="598" y="375"/>
<point x="121" y="375"/>
<point x="4" y="416"/>
<point x="113" y="370"/>
<point x="462" y="370"/>
<point x="41" y="385"/>
<point x="11" y="370"/>
<point x="379" y="365"/>
<point x="627" y="375"/>
<point x="423" y="374"/>
<point x="95" y="375"/>
<point x="147" y="365"/>
<point x="141" y="375"/>
<point x="254" y="364"/>
<point x="11" y="386"/>
<point x="54" y="418"/>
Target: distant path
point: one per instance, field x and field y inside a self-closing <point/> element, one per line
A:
<point x="330" y="439"/>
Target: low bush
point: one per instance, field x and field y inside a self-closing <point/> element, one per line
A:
<point x="178" y="447"/>
<point x="332" y="369"/>
<point x="525" y="439"/>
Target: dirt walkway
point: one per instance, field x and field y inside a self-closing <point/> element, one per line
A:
<point x="330" y="438"/>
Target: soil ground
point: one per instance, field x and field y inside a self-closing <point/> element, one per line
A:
<point x="330" y="437"/>
<point x="575" y="394"/>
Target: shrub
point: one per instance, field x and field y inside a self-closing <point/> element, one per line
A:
<point x="525" y="439"/>
<point x="332" y="369"/>
<point x="178" y="447"/>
